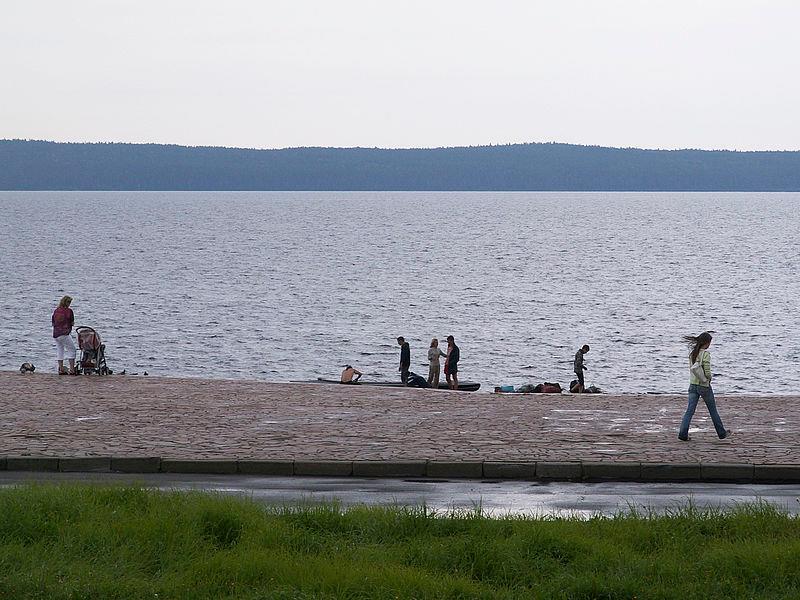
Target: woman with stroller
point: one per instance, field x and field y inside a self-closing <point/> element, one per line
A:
<point x="63" y="320"/>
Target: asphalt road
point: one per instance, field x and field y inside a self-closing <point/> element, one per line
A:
<point x="492" y="497"/>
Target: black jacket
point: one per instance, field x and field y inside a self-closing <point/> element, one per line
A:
<point x="453" y="357"/>
<point x="405" y="356"/>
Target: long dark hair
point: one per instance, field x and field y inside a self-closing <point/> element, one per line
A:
<point x="697" y="342"/>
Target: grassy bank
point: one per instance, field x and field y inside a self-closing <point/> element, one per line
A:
<point x="126" y="542"/>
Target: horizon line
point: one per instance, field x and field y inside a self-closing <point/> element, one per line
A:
<point x="390" y="149"/>
<point x="362" y="191"/>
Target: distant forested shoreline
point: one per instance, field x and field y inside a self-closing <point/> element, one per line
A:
<point x="41" y="165"/>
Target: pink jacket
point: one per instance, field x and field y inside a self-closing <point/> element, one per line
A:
<point x="63" y="320"/>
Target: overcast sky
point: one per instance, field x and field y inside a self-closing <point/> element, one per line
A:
<point x="271" y="74"/>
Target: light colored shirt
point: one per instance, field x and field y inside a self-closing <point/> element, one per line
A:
<point x="434" y="354"/>
<point x="705" y="360"/>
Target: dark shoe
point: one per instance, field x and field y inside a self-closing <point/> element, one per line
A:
<point x="727" y="435"/>
<point x="686" y="439"/>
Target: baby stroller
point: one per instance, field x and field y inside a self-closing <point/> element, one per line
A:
<point x="93" y="352"/>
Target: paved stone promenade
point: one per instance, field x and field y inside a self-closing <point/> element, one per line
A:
<point x="47" y="415"/>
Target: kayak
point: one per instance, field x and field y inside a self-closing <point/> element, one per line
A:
<point x="463" y="386"/>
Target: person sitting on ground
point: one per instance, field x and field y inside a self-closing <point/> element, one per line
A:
<point x="348" y="374"/>
<point x="574" y="386"/>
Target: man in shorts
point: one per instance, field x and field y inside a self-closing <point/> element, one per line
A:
<point x="453" y="356"/>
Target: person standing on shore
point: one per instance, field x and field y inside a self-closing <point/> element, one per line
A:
<point x="405" y="359"/>
<point x="453" y="356"/>
<point x="579" y="367"/>
<point x="700" y="385"/>
<point x="63" y="320"/>
<point x="434" y="352"/>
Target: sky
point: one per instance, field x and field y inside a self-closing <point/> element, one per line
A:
<point x="272" y="74"/>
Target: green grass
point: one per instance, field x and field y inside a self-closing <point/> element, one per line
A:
<point x="129" y="542"/>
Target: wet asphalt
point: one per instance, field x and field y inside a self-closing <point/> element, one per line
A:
<point x="493" y="498"/>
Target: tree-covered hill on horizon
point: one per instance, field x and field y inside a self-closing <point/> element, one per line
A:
<point x="40" y="165"/>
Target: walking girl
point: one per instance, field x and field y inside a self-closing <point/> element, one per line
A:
<point x="700" y="385"/>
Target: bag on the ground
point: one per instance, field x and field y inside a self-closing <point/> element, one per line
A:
<point x="417" y="381"/>
<point x="547" y="388"/>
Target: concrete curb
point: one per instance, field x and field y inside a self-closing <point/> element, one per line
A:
<point x="727" y="472"/>
<point x="88" y="464"/>
<point x="509" y="470"/>
<point x="136" y="464"/>
<point x="378" y="468"/>
<point x="559" y="471"/>
<point x="612" y="471"/>
<point x="440" y="469"/>
<point x="776" y="473"/>
<point x="212" y="467"/>
<point x="31" y="463"/>
<point x="671" y="472"/>
<point x="434" y="469"/>
<point x="266" y="467"/>
<point x="323" y="468"/>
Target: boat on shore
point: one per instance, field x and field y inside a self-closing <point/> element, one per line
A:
<point x="463" y="386"/>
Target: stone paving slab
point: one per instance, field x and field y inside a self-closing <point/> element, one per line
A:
<point x="326" y="429"/>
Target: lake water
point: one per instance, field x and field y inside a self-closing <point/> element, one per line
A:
<point x="284" y="286"/>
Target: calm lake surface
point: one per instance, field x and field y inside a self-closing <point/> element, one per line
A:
<point x="285" y="286"/>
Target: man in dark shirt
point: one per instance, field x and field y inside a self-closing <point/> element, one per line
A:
<point x="579" y="367"/>
<point x="453" y="356"/>
<point x="405" y="359"/>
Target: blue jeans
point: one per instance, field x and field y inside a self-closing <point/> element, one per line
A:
<point x="695" y="393"/>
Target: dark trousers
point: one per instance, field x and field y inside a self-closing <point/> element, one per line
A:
<point x="580" y="377"/>
<point x="404" y="375"/>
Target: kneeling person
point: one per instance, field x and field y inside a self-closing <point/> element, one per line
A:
<point x="348" y="374"/>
